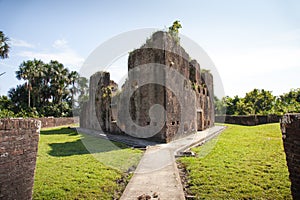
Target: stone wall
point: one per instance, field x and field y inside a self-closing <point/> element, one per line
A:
<point x="100" y="111"/>
<point x="248" y="120"/>
<point x="88" y="117"/>
<point x="59" y="121"/>
<point x="290" y="127"/>
<point x="18" y="150"/>
<point x="208" y="95"/>
<point x="102" y="102"/>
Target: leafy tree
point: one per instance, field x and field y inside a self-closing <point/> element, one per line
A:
<point x="18" y="97"/>
<point x="5" y="102"/>
<point x="82" y="87"/>
<point x="262" y="101"/>
<point x="243" y="108"/>
<point x="5" y="107"/>
<point x="4" y="47"/>
<point x="289" y="102"/>
<point x="220" y="107"/>
<point x="230" y="104"/>
<point x="5" y="113"/>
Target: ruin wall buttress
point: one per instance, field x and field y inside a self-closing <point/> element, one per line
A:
<point x="88" y="116"/>
<point x="290" y="127"/>
<point x="18" y="151"/>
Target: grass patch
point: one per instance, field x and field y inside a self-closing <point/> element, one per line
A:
<point x="77" y="166"/>
<point x="246" y="163"/>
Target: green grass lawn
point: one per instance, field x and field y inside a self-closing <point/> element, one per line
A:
<point x="73" y="166"/>
<point x="242" y="163"/>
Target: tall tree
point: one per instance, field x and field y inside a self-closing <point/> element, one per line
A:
<point x="49" y="89"/>
<point x="73" y="78"/>
<point x="59" y="81"/>
<point x="289" y="102"/>
<point x="262" y="101"/>
<point x="4" y="47"/>
<point x="230" y="104"/>
<point x="31" y="71"/>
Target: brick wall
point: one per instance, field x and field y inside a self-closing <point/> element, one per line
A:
<point x="248" y="120"/>
<point x="18" y="150"/>
<point x="290" y="127"/>
<point x="60" y="121"/>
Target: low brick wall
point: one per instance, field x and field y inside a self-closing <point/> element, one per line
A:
<point x="60" y="121"/>
<point x="290" y="127"/>
<point x="18" y="150"/>
<point x="248" y="120"/>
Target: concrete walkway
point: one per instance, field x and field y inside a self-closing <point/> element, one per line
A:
<point x="126" y="139"/>
<point x="157" y="176"/>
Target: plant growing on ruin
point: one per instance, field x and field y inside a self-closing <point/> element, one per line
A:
<point x="106" y="92"/>
<point x="174" y="31"/>
<point x="205" y="71"/>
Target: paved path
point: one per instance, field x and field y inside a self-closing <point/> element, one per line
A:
<point x="157" y="174"/>
<point x="126" y="139"/>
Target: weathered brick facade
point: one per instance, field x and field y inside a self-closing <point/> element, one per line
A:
<point x="18" y="150"/>
<point x="290" y="127"/>
<point x="187" y="98"/>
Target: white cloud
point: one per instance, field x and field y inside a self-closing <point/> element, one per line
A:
<point x="20" y="43"/>
<point x="60" y="44"/>
<point x="62" y="53"/>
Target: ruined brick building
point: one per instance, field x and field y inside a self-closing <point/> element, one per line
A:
<point x="159" y="73"/>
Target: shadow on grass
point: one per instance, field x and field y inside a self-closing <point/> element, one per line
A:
<point x="86" y="145"/>
<point x="58" y="131"/>
<point x="68" y="148"/>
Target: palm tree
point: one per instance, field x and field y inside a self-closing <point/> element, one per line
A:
<point x="73" y="77"/>
<point x="38" y="79"/>
<point x="25" y="72"/>
<point x="59" y="81"/>
<point x="4" y="47"/>
<point x="31" y="71"/>
<point x="45" y="87"/>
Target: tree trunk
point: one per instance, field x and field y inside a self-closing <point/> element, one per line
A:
<point x="29" y="98"/>
<point x="28" y="94"/>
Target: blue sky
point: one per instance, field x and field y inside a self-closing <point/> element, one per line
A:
<point x="254" y="44"/>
